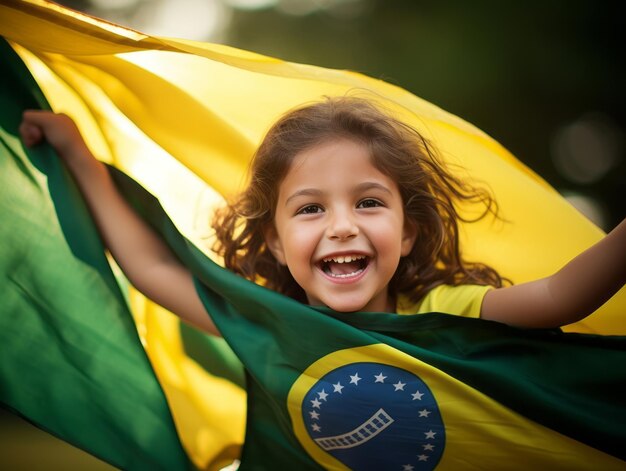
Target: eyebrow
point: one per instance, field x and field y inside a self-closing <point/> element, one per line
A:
<point x="365" y="186"/>
<point x="304" y="192"/>
<point x="372" y="186"/>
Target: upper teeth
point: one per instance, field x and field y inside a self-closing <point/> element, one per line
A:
<point x="344" y="259"/>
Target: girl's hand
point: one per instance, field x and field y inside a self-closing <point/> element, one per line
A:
<point x="145" y="259"/>
<point x="59" y="130"/>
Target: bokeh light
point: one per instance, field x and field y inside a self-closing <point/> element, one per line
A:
<point x="587" y="149"/>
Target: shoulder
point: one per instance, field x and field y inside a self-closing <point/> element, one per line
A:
<point x="462" y="300"/>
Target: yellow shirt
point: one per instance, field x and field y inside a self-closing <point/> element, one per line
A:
<point x="462" y="300"/>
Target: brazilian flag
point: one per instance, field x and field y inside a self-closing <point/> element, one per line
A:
<point x="381" y="391"/>
<point x="322" y="389"/>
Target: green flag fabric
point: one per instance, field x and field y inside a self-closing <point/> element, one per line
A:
<point x="70" y="357"/>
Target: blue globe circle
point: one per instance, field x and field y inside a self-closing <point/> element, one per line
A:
<point x="375" y="416"/>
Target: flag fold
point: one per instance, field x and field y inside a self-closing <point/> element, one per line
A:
<point x="70" y="357"/>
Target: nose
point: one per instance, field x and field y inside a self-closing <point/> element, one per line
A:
<point x="342" y="226"/>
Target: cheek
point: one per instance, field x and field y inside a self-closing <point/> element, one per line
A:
<point x="300" y="244"/>
<point x="390" y="234"/>
<point x="388" y="247"/>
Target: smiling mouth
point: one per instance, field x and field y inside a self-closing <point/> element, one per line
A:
<point x="344" y="266"/>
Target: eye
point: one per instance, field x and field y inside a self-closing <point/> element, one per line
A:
<point x="369" y="203"/>
<point x="310" y="209"/>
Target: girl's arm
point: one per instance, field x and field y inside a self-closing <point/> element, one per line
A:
<point x="571" y="294"/>
<point x="143" y="257"/>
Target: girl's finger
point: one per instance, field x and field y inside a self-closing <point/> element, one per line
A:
<point x="30" y="133"/>
<point x="35" y="116"/>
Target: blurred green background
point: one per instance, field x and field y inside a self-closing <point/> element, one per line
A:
<point x="546" y="79"/>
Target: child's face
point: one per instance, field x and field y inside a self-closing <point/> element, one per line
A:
<point x="340" y="227"/>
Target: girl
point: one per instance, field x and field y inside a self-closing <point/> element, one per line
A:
<point x="348" y="208"/>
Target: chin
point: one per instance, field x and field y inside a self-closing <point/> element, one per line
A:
<point x="346" y="307"/>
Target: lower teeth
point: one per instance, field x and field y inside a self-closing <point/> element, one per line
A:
<point x="346" y="275"/>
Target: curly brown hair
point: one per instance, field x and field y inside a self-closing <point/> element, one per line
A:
<point x="430" y="194"/>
